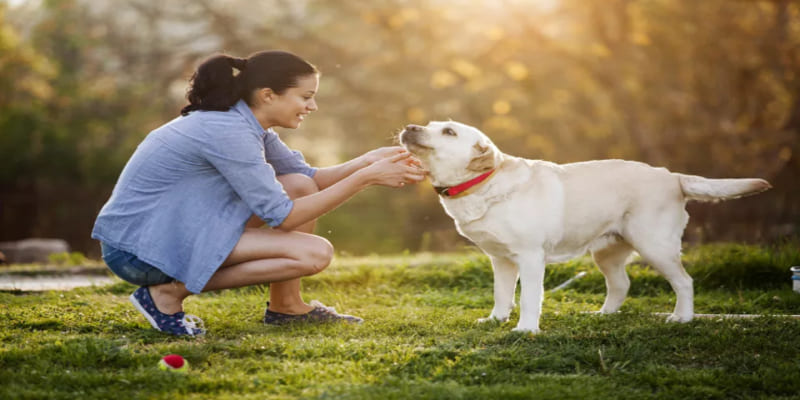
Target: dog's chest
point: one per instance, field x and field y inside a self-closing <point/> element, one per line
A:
<point x="488" y="240"/>
<point x="497" y="233"/>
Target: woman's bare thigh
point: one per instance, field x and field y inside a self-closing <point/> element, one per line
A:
<point x="258" y="243"/>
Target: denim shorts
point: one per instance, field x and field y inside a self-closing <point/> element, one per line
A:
<point x="131" y="269"/>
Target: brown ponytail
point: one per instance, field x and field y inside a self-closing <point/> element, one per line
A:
<point x="214" y="87"/>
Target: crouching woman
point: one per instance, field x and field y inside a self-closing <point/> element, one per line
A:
<point x="187" y="213"/>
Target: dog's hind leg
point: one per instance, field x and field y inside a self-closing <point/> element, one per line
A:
<point x="665" y="257"/>
<point x="656" y="234"/>
<point x="611" y="260"/>
<point x="506" y="273"/>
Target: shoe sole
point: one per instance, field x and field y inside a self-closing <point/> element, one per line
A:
<point x="147" y="316"/>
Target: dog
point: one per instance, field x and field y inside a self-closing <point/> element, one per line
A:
<point x="525" y="214"/>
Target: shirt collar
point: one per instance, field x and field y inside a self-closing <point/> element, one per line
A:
<point x="242" y="108"/>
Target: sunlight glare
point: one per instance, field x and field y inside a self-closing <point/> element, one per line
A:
<point x="539" y="5"/>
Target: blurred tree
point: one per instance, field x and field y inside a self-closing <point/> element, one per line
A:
<point x="25" y="87"/>
<point x="95" y="97"/>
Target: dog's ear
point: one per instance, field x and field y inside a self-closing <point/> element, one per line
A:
<point x="484" y="161"/>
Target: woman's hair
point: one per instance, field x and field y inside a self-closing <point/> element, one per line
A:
<point x="215" y="86"/>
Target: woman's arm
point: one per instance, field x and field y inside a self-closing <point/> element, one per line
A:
<point x="393" y="171"/>
<point x="325" y="177"/>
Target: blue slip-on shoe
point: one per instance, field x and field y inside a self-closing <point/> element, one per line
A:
<point x="178" y="324"/>
<point x="320" y="313"/>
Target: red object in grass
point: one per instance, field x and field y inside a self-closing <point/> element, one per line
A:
<point x="173" y="361"/>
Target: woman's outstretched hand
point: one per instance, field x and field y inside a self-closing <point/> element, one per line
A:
<point x="393" y="167"/>
<point x="380" y="153"/>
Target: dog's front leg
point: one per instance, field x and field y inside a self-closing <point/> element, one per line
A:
<point x="531" y="273"/>
<point x="505" y="285"/>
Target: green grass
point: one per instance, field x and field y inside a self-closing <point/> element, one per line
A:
<point x="420" y="339"/>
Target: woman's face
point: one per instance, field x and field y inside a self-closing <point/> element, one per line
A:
<point x="288" y="110"/>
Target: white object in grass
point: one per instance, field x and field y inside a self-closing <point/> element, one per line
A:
<point x="569" y="281"/>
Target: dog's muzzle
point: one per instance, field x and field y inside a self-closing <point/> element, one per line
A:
<point x="411" y="134"/>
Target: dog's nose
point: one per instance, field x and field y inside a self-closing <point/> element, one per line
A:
<point x="413" y="128"/>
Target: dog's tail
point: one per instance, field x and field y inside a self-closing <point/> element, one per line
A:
<point x="705" y="189"/>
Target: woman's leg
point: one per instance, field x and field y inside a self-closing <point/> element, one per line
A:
<point x="284" y="297"/>
<point x="262" y="256"/>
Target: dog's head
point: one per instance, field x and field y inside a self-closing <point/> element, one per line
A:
<point x="451" y="151"/>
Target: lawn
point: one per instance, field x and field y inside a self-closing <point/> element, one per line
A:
<point x="420" y="339"/>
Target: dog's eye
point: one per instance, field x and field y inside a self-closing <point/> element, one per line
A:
<point x="448" y="132"/>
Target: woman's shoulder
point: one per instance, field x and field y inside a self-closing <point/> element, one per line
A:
<point x="214" y="123"/>
<point x="230" y="117"/>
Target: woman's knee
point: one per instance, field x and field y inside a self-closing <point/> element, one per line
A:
<point x="298" y="185"/>
<point x="318" y="256"/>
<point x="295" y="185"/>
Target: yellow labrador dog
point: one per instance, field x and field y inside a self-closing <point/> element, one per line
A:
<point x="525" y="214"/>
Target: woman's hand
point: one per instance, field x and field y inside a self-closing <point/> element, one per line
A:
<point x="395" y="168"/>
<point x="378" y="154"/>
<point x="328" y="176"/>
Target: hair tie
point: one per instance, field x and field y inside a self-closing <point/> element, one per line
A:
<point x="238" y="63"/>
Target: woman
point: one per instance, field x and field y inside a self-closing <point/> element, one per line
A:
<point x="185" y="214"/>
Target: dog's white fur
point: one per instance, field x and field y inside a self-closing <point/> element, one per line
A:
<point x="531" y="213"/>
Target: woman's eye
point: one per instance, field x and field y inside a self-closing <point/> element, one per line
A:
<point x="449" y="132"/>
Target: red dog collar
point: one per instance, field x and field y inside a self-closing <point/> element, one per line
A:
<point x="452" y="191"/>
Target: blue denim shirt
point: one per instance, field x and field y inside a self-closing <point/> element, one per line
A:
<point x="185" y="195"/>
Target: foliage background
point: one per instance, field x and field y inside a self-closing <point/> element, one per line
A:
<point x="701" y="87"/>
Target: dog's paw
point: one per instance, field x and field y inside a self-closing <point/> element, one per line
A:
<point x="678" y="318"/>
<point x="523" y="329"/>
<point x="492" y="319"/>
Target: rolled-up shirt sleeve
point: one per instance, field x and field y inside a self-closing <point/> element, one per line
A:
<point x="284" y="159"/>
<point x="240" y="158"/>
